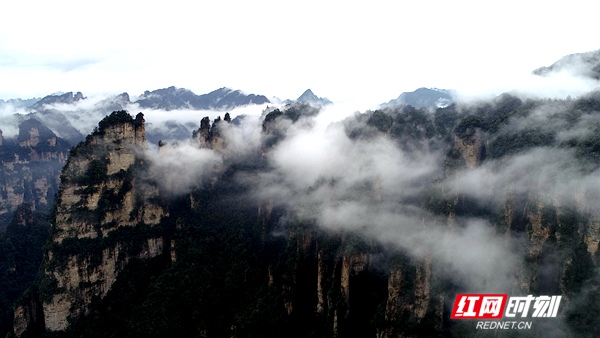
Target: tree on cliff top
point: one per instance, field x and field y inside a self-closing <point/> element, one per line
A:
<point x="116" y="117"/>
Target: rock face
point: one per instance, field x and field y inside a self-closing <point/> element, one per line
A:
<point x="310" y="98"/>
<point x="30" y="167"/>
<point x="66" y="98"/>
<point x="209" y="136"/>
<point x="101" y="203"/>
<point x="592" y="238"/>
<point x="98" y="182"/>
<point x="471" y="146"/>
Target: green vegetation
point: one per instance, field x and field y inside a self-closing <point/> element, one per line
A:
<point x="588" y="147"/>
<point x="20" y="258"/>
<point x="292" y="113"/>
<point x="468" y="125"/>
<point x="272" y="116"/>
<point x="297" y="110"/>
<point x="131" y="239"/>
<point x="116" y="117"/>
<point x="513" y="143"/>
<point x="413" y="124"/>
<point x="220" y="283"/>
<point x="380" y="120"/>
<point x="95" y="172"/>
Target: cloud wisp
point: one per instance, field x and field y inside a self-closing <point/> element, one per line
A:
<point x="372" y="187"/>
<point x="319" y="173"/>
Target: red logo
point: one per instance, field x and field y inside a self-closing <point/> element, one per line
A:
<point x="479" y="306"/>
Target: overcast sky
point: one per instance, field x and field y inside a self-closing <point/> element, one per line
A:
<point x="347" y="51"/>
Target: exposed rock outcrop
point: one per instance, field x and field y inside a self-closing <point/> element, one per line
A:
<point x="209" y="136"/>
<point x="30" y="167"/>
<point x="471" y="146"/>
<point x="66" y="98"/>
<point x="101" y="203"/>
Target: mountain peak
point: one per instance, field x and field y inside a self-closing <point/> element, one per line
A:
<point x="223" y="90"/>
<point x="581" y="64"/>
<point x="32" y="131"/>
<point x="309" y="97"/>
<point x="67" y="98"/>
<point x="307" y="94"/>
<point x="423" y="98"/>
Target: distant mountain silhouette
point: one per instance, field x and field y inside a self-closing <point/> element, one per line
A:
<point x="67" y="98"/>
<point x="20" y="103"/>
<point x="59" y="124"/>
<point x="309" y="97"/>
<point x="181" y="98"/>
<point x="423" y="98"/>
<point x="581" y="64"/>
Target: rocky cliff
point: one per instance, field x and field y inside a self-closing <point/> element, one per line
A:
<point x="66" y="98"/>
<point x="105" y="216"/>
<point x="211" y="137"/>
<point x="30" y="167"/>
<point x="471" y="146"/>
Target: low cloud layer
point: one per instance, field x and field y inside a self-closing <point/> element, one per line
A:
<point x="182" y="167"/>
<point x="560" y="85"/>
<point x="547" y="173"/>
<point x="10" y="120"/>
<point x="372" y="186"/>
<point x="82" y="117"/>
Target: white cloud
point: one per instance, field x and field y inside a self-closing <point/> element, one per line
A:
<point x="182" y="167"/>
<point x="373" y="188"/>
<point x="10" y="120"/>
<point x="348" y="52"/>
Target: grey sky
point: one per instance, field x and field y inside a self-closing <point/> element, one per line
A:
<point x="360" y="52"/>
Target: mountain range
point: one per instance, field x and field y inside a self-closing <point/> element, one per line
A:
<point x="170" y="98"/>
<point x="581" y="64"/>
<point x="166" y="99"/>
<point x="179" y="98"/>
<point x="423" y="98"/>
<point x="221" y="99"/>
<point x="19" y="103"/>
<point x="310" y="98"/>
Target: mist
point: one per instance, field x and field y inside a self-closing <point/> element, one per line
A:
<point x="11" y="119"/>
<point x="548" y="174"/>
<point x="368" y="185"/>
<point x="568" y="82"/>
<point x="180" y="168"/>
<point x="82" y="117"/>
<point x="375" y="187"/>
